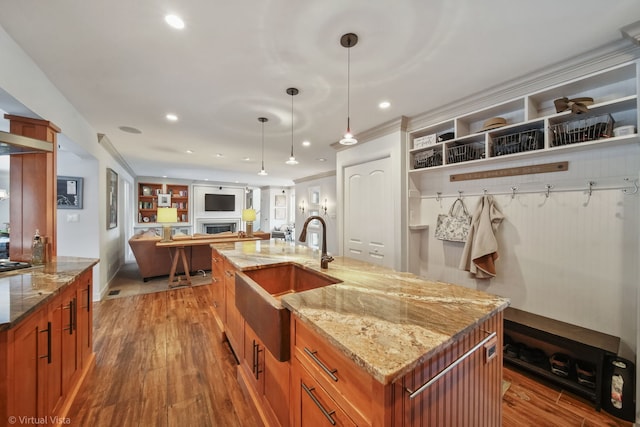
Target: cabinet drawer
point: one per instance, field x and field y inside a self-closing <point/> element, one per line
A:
<point x="317" y="408"/>
<point x="346" y="382"/>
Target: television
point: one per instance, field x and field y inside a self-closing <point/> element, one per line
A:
<point x="219" y="202"/>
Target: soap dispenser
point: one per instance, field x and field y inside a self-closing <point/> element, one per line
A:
<point x="37" y="249"/>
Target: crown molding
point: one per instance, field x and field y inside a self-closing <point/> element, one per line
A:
<point x="314" y="177"/>
<point x="397" y="124"/>
<point x="606" y="56"/>
<point x="106" y="143"/>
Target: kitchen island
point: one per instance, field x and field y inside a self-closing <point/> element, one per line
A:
<point x="379" y="347"/>
<point x="46" y="346"/>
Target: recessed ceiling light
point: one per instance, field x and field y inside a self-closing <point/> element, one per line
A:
<point x="206" y="179"/>
<point x="219" y="155"/>
<point x="164" y="176"/>
<point x="189" y="152"/>
<point x="306" y="143"/>
<point x="322" y="159"/>
<point x="129" y="129"/>
<point x="172" y="117"/>
<point x="174" y="21"/>
<point x="246" y="159"/>
<point x="384" y="105"/>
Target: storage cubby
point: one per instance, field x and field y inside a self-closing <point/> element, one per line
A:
<point x="615" y="99"/>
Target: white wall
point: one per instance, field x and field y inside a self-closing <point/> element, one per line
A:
<point x="570" y="257"/>
<point x="327" y="187"/>
<point x="390" y="145"/>
<point x="21" y="78"/>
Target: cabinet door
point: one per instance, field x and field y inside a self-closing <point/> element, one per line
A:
<point x="31" y="346"/>
<point x="313" y="406"/>
<point x="85" y="318"/>
<point x="217" y="285"/>
<point x="234" y="325"/>
<point x="254" y="360"/>
<point x="59" y="319"/>
<point x="69" y="355"/>
<point x="276" y="386"/>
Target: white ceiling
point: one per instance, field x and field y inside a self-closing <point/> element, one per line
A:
<point x="119" y="64"/>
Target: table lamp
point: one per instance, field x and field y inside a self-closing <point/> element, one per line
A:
<point x="249" y="215"/>
<point x="166" y="216"/>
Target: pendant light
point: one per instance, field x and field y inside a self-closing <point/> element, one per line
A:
<point x="348" y="40"/>
<point x="262" y="120"/>
<point x="292" y="159"/>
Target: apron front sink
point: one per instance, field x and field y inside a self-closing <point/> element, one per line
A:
<point x="258" y="295"/>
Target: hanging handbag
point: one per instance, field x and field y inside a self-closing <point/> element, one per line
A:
<point x="455" y="225"/>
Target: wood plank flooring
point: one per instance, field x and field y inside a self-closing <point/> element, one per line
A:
<point x="160" y="363"/>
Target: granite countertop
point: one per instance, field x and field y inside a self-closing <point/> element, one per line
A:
<point x="23" y="291"/>
<point x="386" y="321"/>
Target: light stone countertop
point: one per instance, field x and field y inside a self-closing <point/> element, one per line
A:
<point x="387" y="322"/>
<point x="23" y="291"/>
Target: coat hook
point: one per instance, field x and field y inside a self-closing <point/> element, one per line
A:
<point x="438" y="196"/>
<point x="549" y="187"/>
<point x="591" y="185"/>
<point x="460" y="194"/>
<point x="635" y="185"/>
<point x="513" y="192"/>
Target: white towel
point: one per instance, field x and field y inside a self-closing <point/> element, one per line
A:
<point x="481" y="249"/>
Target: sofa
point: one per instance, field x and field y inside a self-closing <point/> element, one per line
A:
<point x="156" y="261"/>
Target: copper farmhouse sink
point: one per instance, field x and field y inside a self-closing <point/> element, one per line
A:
<point x="258" y="295"/>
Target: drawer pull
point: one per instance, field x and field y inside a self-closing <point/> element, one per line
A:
<point x="413" y="394"/>
<point x="330" y="372"/>
<point x="48" y="331"/>
<point x="228" y="273"/>
<point x="319" y="405"/>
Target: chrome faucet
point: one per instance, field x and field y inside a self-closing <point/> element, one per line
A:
<point x="324" y="259"/>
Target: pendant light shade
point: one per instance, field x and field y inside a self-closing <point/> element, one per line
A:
<point x="292" y="159"/>
<point x="262" y="120"/>
<point x="348" y="40"/>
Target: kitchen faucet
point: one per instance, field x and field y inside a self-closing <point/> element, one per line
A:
<point x="324" y="259"/>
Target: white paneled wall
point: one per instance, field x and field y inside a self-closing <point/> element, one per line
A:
<point x="567" y="256"/>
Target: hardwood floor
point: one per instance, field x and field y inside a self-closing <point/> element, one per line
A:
<point x="159" y="362"/>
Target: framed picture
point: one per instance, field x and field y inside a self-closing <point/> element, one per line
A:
<point x="164" y="200"/>
<point x="69" y="189"/>
<point x="112" y="199"/>
<point x="314" y="195"/>
<point x="281" y="201"/>
<point x="281" y="213"/>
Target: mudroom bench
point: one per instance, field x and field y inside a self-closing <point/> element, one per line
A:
<point x="571" y="356"/>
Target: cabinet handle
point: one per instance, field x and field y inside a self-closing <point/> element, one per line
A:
<point x="215" y="304"/>
<point x="326" y="413"/>
<point x="48" y="355"/>
<point x="256" y="359"/>
<point x="423" y="387"/>
<point x="74" y="314"/>
<point x="330" y="372"/>
<point x="214" y="279"/>
<point x="70" y="308"/>
<point x="89" y="298"/>
<point x="228" y="273"/>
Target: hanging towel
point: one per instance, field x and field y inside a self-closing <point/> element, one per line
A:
<point x="481" y="249"/>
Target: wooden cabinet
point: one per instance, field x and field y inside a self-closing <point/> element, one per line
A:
<point x="267" y="378"/>
<point x="534" y="126"/>
<point x="218" y="288"/>
<point x="154" y="195"/>
<point x="84" y="322"/>
<point x="45" y="356"/>
<point x="28" y="366"/>
<point x="234" y="323"/>
<point x="460" y="385"/>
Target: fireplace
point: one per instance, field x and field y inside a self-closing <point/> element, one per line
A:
<point x="219" y="227"/>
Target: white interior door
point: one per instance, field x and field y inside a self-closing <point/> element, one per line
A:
<point x="368" y="220"/>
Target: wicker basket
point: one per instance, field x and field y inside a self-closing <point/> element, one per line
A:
<point x="517" y="142"/>
<point x="427" y="159"/>
<point x="582" y="129"/>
